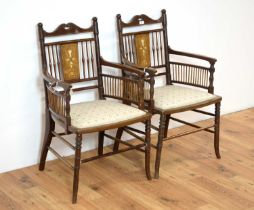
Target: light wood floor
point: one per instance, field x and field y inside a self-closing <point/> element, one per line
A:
<point x="190" y="177"/>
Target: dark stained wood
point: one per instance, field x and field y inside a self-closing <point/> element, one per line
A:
<point x="85" y="88"/>
<point x="76" y="167"/>
<point x="147" y="149"/>
<point x="114" y="88"/>
<point x="100" y="142"/>
<point x="175" y="72"/>
<point x="188" y="132"/>
<point x="60" y="157"/>
<point x="159" y="144"/>
<point x="124" y="143"/>
<point x="189" y="74"/>
<point x="119" y="134"/>
<point x="136" y="147"/>
<point x="63" y="140"/>
<point x="138" y="20"/>
<point x="192" y="55"/>
<point x="49" y="126"/>
<point x="190" y="124"/>
<point x="217" y="130"/>
<point x="78" y="61"/>
<point x="203" y="112"/>
<point x="166" y="125"/>
<point x="69" y="28"/>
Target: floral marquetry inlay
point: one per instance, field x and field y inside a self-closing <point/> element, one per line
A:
<point x="142" y="44"/>
<point x="70" y="61"/>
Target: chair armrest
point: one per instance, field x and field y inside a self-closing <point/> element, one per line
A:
<point x="129" y="89"/>
<point x="58" y="101"/>
<point x="204" y="76"/>
<point x="192" y="55"/>
<point x="149" y="82"/>
<point x="123" y="67"/>
<point x="54" y="82"/>
<point x="151" y="71"/>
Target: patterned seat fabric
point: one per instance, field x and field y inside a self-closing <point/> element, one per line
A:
<point x="171" y="96"/>
<point x="101" y="113"/>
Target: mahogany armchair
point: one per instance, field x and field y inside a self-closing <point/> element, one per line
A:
<point x="67" y="62"/>
<point x="148" y="48"/>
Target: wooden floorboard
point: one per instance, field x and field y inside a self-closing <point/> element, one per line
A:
<point x="190" y="177"/>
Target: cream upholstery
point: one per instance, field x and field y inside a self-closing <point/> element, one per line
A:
<point x="101" y="113"/>
<point x="173" y="96"/>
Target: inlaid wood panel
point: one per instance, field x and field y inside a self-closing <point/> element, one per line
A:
<point x="142" y="45"/>
<point x="70" y="61"/>
<point x="145" y="49"/>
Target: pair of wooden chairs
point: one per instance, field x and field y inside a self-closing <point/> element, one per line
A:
<point x="71" y="62"/>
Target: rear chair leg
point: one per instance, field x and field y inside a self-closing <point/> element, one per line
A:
<point x="76" y="167"/>
<point x="49" y="127"/>
<point x="100" y="142"/>
<point x="217" y="130"/>
<point x="147" y="149"/>
<point x="119" y="134"/>
<point x="166" y="126"/>
<point x="159" y="145"/>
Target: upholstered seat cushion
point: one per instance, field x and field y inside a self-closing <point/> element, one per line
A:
<point x="172" y="97"/>
<point x="102" y="113"/>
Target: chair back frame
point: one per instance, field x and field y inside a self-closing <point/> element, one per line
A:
<point x="158" y="41"/>
<point x="160" y="53"/>
<point x="52" y="64"/>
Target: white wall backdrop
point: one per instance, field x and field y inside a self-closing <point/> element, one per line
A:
<point x="222" y="29"/>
